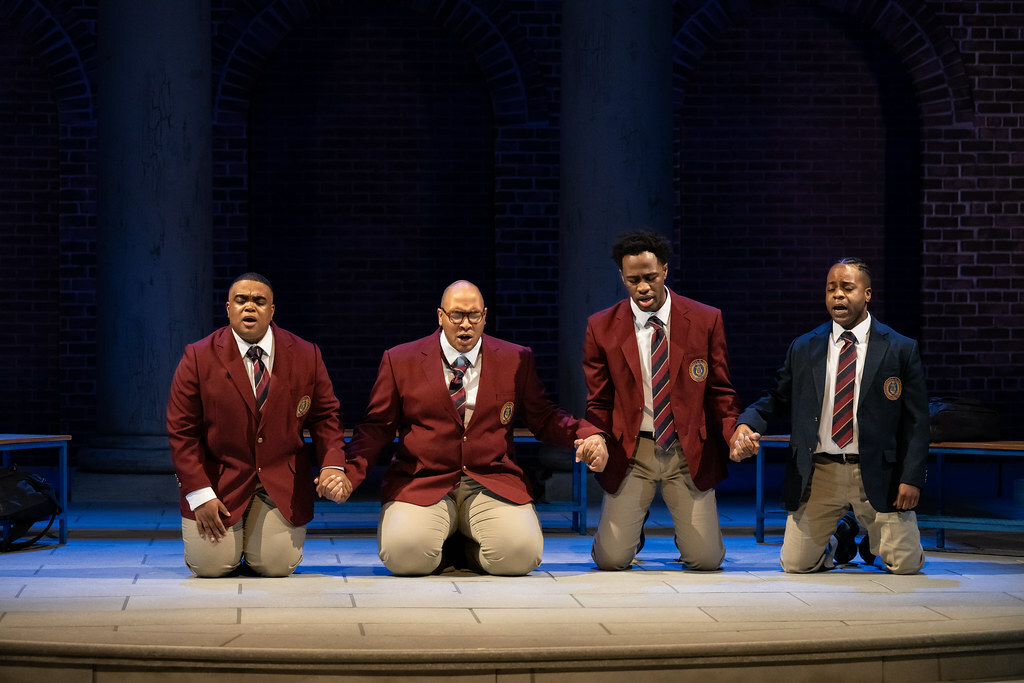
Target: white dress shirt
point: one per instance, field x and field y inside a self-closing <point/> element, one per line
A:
<point x="862" y="331"/>
<point x="471" y="378"/>
<point x="644" y="335"/>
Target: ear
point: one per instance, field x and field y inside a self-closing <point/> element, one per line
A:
<point x="867" y="295"/>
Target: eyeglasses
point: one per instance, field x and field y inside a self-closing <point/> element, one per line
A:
<point x="458" y="316"/>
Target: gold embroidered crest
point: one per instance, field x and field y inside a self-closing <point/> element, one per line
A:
<point x="893" y="388"/>
<point x="699" y="370"/>
<point x="303" y="406"/>
<point x="507" y="411"/>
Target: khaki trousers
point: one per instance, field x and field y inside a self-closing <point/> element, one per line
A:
<point x="270" y="545"/>
<point x="504" y="538"/>
<point x="694" y="513"/>
<point x="895" y="538"/>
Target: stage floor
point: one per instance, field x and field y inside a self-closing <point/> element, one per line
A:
<point x="118" y="600"/>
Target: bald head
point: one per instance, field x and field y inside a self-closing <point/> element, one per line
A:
<point x="464" y="287"/>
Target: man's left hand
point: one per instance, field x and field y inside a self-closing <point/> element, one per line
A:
<point x="907" y="498"/>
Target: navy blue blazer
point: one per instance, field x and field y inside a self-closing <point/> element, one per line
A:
<point x="892" y="413"/>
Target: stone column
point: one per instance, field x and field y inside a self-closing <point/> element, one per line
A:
<point x="616" y="156"/>
<point x="154" y="237"/>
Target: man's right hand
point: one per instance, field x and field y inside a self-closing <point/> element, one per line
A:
<point x="208" y="519"/>
<point x="743" y="443"/>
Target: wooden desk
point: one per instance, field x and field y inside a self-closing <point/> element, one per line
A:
<point x="577" y="507"/>
<point x="937" y="521"/>
<point x="17" y="442"/>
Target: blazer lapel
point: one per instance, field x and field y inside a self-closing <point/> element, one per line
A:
<point x="680" y="329"/>
<point x="231" y="359"/>
<point x="626" y="331"/>
<point x="281" y="373"/>
<point x="818" y="352"/>
<point x="430" y="365"/>
<point x="487" y="388"/>
<point x="878" y="346"/>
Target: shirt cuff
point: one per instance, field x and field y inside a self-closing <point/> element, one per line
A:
<point x="333" y="467"/>
<point x="198" y="497"/>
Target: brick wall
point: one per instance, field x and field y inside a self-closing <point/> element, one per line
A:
<point x="785" y="167"/>
<point x="973" y="285"/>
<point x="30" y="253"/>
<point x="372" y="177"/>
<point x="891" y="130"/>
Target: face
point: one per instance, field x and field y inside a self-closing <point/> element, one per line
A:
<point x="462" y="298"/>
<point x="847" y="294"/>
<point x="250" y="309"/>
<point x="644" y="278"/>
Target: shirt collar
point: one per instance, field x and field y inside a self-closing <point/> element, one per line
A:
<point x="451" y="355"/>
<point x="267" y="343"/>
<point x="860" y="331"/>
<point x="640" y="318"/>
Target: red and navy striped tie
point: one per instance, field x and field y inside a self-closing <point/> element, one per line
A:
<point x="664" y="430"/>
<point x="260" y="376"/>
<point x="842" y="407"/>
<point x="457" y="387"/>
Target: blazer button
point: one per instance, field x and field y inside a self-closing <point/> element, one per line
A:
<point x="465" y="439"/>
<point x="259" y="440"/>
<point x="259" y="470"/>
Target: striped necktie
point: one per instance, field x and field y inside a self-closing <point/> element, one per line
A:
<point x="260" y="376"/>
<point x="664" y="430"/>
<point x="842" y="406"/>
<point x="457" y="387"/>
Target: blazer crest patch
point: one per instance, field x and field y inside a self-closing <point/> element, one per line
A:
<point x="699" y="370"/>
<point x="303" y="406"/>
<point x="893" y="388"/>
<point x="507" y="411"/>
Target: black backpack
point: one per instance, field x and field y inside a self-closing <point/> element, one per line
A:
<point x="25" y="499"/>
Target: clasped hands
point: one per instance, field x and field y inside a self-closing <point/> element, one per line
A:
<point x="743" y="443"/>
<point x="593" y="451"/>
<point x="333" y="484"/>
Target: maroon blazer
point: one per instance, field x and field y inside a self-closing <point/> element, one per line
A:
<point x="411" y="397"/>
<point x="704" y="403"/>
<point x="219" y="439"/>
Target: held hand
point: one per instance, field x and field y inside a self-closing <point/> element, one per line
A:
<point x="743" y="443"/>
<point x="907" y="498"/>
<point x="593" y="451"/>
<point x="333" y="484"/>
<point x="209" y="522"/>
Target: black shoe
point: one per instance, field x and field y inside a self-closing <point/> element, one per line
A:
<point x="643" y="539"/>
<point x="846" y="534"/>
<point x="865" y="550"/>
